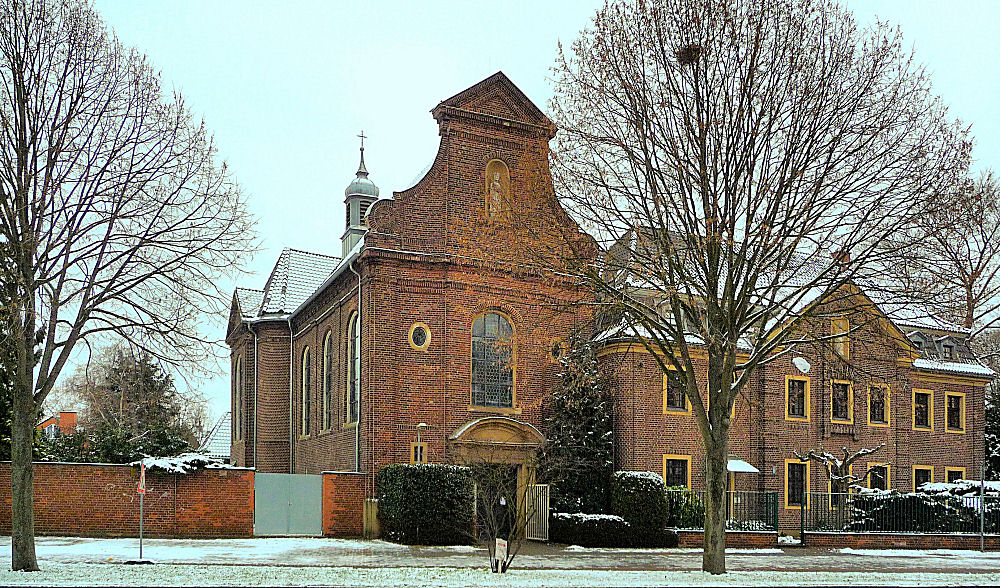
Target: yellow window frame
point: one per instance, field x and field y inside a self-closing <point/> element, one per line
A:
<point x="841" y="345"/>
<point x="423" y="452"/>
<point x="961" y="395"/>
<point x="888" y="405"/>
<point x="805" y="491"/>
<point x="807" y="399"/>
<point x="672" y="410"/>
<point x="913" y="477"/>
<point x="930" y="409"/>
<point x="850" y="402"/>
<point x="948" y="470"/>
<point x="888" y="473"/>
<point x="678" y="457"/>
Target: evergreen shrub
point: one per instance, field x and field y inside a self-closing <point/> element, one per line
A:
<point x="427" y="504"/>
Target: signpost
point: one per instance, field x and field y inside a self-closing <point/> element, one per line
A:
<point x="500" y="554"/>
<point x="141" y="489"/>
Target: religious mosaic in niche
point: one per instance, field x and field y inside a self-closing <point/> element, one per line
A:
<point x="497" y="190"/>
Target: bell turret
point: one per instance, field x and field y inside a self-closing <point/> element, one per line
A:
<point x="358" y="196"/>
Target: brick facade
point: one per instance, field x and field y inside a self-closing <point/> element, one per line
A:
<point x="436" y="255"/>
<point x="99" y="500"/>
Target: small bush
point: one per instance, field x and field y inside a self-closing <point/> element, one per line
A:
<point x="429" y="504"/>
<point x="640" y="499"/>
<point x="589" y="530"/>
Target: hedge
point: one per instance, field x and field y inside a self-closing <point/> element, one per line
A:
<point x="429" y="504"/>
<point x="589" y="530"/>
<point x="640" y="499"/>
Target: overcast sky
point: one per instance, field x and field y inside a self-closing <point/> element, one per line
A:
<point x="287" y="86"/>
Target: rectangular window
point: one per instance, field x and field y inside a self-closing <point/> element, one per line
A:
<point x="843" y="397"/>
<point x="418" y="453"/>
<point x="878" y="476"/>
<point x="922" y="475"/>
<point x="796" y="398"/>
<point x="923" y="409"/>
<point x="796" y="482"/>
<point x="841" y="344"/>
<point x="955" y="412"/>
<point x="952" y="475"/>
<point x="674" y="397"/>
<point x="948" y="351"/>
<point x="677" y="470"/>
<point x="878" y="405"/>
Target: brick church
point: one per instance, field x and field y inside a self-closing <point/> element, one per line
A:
<point x="434" y="336"/>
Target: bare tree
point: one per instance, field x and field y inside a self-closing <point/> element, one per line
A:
<point x="117" y="214"/>
<point x="739" y="162"/>
<point x="839" y="470"/>
<point x="958" y="261"/>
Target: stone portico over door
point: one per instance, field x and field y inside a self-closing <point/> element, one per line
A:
<point x="499" y="440"/>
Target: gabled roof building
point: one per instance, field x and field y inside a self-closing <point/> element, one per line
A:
<point x="435" y="335"/>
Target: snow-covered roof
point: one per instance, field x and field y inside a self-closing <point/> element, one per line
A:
<point x="953" y="367"/>
<point x="296" y="275"/>
<point x="217" y="444"/>
<point x="249" y="300"/>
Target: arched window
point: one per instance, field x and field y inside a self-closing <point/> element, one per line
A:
<point x="492" y="365"/>
<point x="327" y="380"/>
<point x="238" y="400"/>
<point x="352" y="399"/>
<point x="306" y="385"/>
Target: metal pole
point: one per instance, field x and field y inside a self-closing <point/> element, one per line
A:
<point x="142" y="500"/>
<point x="982" y="503"/>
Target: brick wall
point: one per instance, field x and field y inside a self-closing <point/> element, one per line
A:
<point x="733" y="539"/>
<point x="899" y="541"/>
<point x="343" y="504"/>
<point x="99" y="500"/>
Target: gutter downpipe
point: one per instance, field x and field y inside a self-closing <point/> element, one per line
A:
<point x="357" y="428"/>
<point x="255" y="387"/>
<point x="291" y="397"/>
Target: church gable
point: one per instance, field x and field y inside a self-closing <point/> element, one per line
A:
<point x="489" y="194"/>
<point x="495" y="96"/>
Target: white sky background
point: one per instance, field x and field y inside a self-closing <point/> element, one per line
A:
<point x="287" y="86"/>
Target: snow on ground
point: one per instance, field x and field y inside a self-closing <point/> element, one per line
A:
<point x="220" y="575"/>
<point x="78" y="549"/>
<point x="950" y="553"/>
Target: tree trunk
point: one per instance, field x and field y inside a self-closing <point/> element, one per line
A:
<point x="716" y="473"/>
<point x="21" y="480"/>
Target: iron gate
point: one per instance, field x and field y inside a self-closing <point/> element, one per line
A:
<point x="288" y="504"/>
<point x="537" y="509"/>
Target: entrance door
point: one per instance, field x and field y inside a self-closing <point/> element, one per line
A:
<point x="288" y="504"/>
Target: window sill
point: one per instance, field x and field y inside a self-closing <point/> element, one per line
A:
<point x="350" y="425"/>
<point x="677" y="412"/>
<point x="882" y="425"/>
<point x="495" y="409"/>
<point x="955" y="431"/>
<point x="796" y="419"/>
<point x="919" y="428"/>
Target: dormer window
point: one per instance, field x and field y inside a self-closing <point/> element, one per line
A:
<point x="948" y="351"/>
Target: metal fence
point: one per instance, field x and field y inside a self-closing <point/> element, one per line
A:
<point x="745" y="510"/>
<point x="900" y="513"/>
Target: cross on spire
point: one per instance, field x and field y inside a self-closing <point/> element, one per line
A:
<point x="362" y="135"/>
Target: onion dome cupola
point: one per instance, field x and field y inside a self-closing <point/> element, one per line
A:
<point x="358" y="197"/>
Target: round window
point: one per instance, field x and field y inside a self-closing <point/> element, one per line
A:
<point x="420" y="336"/>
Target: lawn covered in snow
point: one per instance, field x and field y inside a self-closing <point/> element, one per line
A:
<point x="247" y="575"/>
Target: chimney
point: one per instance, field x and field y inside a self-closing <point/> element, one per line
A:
<point x="67" y="422"/>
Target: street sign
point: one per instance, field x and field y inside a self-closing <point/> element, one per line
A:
<point x="141" y="488"/>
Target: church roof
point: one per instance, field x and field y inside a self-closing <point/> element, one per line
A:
<point x="218" y="440"/>
<point x="295" y="276"/>
<point x="249" y="300"/>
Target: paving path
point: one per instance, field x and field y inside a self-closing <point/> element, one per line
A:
<point x="319" y="552"/>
